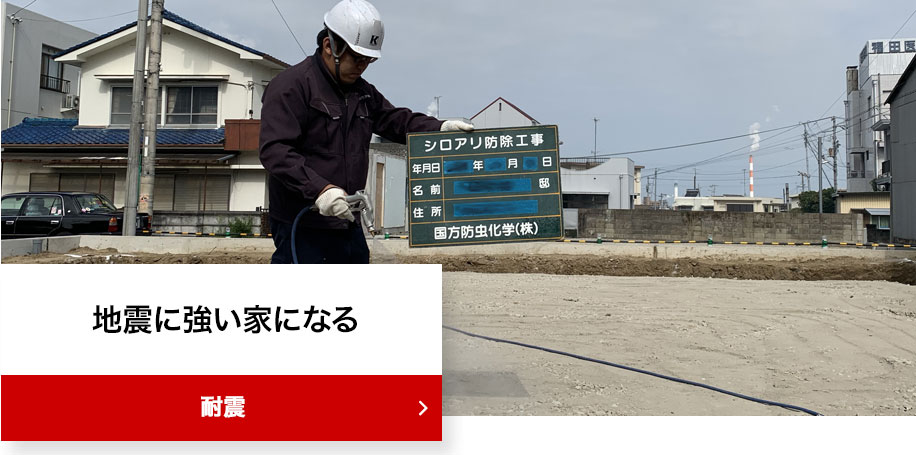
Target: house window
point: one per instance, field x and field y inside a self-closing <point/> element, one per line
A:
<point x="91" y="182"/>
<point x="52" y="73"/>
<point x="191" y="192"/>
<point x="120" y="105"/>
<point x="739" y="207"/>
<point x="883" y="221"/>
<point x="121" y="99"/>
<point x="191" y="105"/>
<point x="585" y="201"/>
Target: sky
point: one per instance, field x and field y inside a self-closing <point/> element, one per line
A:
<point x="655" y="73"/>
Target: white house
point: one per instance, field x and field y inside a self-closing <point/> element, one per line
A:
<point x="502" y="114"/>
<point x="34" y="84"/>
<point x="729" y="203"/>
<point x="205" y="81"/>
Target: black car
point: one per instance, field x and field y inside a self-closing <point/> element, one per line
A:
<point x="45" y="214"/>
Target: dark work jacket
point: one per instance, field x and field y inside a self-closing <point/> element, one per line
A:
<point x="314" y="134"/>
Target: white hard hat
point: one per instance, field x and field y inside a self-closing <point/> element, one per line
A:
<point x="359" y="24"/>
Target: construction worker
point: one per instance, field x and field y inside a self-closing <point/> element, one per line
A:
<point x="316" y="123"/>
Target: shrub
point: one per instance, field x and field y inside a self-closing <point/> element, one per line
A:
<point x="240" y="226"/>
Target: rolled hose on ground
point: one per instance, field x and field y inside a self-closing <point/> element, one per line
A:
<point x="637" y="370"/>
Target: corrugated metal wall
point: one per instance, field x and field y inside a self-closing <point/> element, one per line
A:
<point x="903" y="162"/>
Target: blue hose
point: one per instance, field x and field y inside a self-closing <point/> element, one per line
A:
<point x="637" y="370"/>
<point x="292" y="238"/>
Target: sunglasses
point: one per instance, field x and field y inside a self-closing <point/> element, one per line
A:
<point x="359" y="59"/>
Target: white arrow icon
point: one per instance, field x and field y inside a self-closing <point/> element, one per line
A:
<point x="424" y="408"/>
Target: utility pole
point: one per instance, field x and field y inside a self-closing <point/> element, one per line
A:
<point x="695" y="179"/>
<point x="438" y="112"/>
<point x="595" y="150"/>
<point x="836" y="150"/>
<point x="655" y="189"/>
<point x="802" y="175"/>
<point x="743" y="181"/>
<point x="820" y="177"/>
<point x="787" y="197"/>
<point x="148" y="169"/>
<point x="14" y="20"/>
<point x="136" y="116"/>
<point x="807" y="167"/>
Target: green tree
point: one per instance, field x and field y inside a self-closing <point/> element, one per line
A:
<point x="808" y="201"/>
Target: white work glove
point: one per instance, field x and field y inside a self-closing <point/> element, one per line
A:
<point x="456" y="125"/>
<point x="333" y="202"/>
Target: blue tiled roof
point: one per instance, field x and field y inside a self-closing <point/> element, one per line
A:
<point x="166" y="14"/>
<point x="34" y="131"/>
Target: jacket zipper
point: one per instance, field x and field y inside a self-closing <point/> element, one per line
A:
<point x="346" y="123"/>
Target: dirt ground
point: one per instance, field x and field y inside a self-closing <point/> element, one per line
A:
<point x="840" y="268"/>
<point x="835" y="347"/>
<point x="837" y="335"/>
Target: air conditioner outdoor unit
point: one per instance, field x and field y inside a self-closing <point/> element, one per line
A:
<point x="71" y="102"/>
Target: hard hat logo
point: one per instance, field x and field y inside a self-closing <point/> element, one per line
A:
<point x="352" y="19"/>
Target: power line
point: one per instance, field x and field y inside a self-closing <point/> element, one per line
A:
<point x="741" y="149"/>
<point x="904" y="24"/>
<point x="724" y="156"/>
<point x="736" y="173"/>
<point x="869" y="61"/>
<point x="744" y="148"/>
<point x="288" y="28"/>
<point x="782" y="165"/>
<point x="690" y="144"/>
<point x="721" y="155"/>
<point x="24" y="7"/>
<point x="783" y="130"/>
<point x="83" y="20"/>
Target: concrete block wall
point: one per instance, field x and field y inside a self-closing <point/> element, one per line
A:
<point x="672" y="225"/>
<point x="203" y="222"/>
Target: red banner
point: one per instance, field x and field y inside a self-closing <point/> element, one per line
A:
<point x="221" y="408"/>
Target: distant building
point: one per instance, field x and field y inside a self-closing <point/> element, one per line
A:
<point x="902" y="157"/>
<point x="868" y="85"/>
<point x="607" y="183"/>
<point x="728" y="203"/>
<point x="206" y="82"/>
<point x="875" y="208"/>
<point x="41" y="87"/>
<point x="637" y="185"/>
<point x="502" y="114"/>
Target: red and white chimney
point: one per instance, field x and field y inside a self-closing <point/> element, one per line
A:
<point x="751" y="168"/>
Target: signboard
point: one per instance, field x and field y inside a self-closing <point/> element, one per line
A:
<point x="487" y="186"/>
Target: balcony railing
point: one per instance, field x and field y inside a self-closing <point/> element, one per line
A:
<point x="855" y="174"/>
<point x="55" y="83"/>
